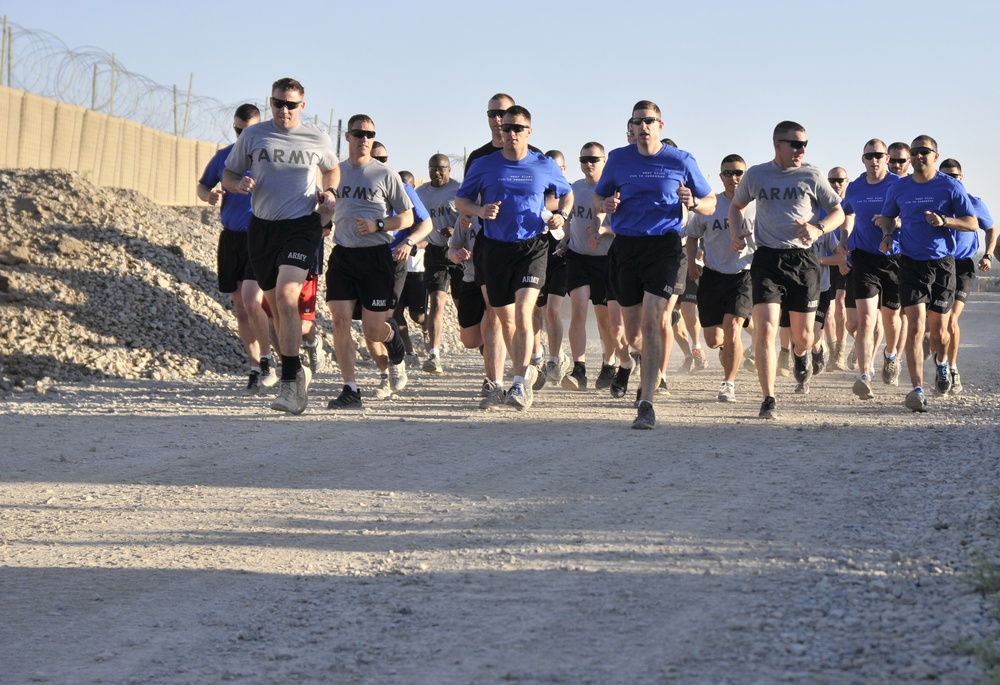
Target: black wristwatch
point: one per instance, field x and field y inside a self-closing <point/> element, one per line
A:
<point x="561" y="213"/>
<point x="379" y="225"/>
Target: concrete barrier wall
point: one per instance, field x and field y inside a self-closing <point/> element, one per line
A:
<point x="40" y="133"/>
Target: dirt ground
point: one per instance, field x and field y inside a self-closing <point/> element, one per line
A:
<point x="173" y="532"/>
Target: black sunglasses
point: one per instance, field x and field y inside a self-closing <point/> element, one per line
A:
<point x="639" y="121"/>
<point x="238" y="130"/>
<point x="873" y="155"/>
<point x="795" y="144"/>
<point x="358" y="133"/>
<point x="729" y="173"/>
<point x="898" y="160"/>
<point x="590" y="160"/>
<point x="382" y="158"/>
<point x="494" y="113"/>
<point x="954" y="175"/>
<point x="834" y="179"/>
<point x="516" y="128"/>
<point x="290" y="105"/>
<point x="914" y="151"/>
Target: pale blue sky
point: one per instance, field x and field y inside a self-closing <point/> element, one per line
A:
<point x="723" y="72"/>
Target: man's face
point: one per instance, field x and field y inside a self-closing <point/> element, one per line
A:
<point x="381" y="154"/>
<point x="922" y="155"/>
<point x="494" y="112"/>
<point x="643" y="128"/>
<point x="281" y="103"/>
<point x="952" y="171"/>
<point x="837" y="177"/>
<point x="732" y="174"/>
<point x="899" y="161"/>
<point x="517" y="133"/>
<point x="239" y="124"/>
<point x="790" y="149"/>
<point x="876" y="159"/>
<point x="439" y="171"/>
<point x="360" y="146"/>
<point x="591" y="162"/>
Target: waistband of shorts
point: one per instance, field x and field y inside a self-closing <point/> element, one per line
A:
<point x="280" y="222"/>
<point x="527" y="242"/>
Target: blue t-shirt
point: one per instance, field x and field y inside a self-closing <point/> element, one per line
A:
<point x="648" y="186"/>
<point x="236" y="212"/>
<point x="908" y="200"/>
<point x="864" y="200"/>
<point x="420" y="214"/>
<point x="520" y="187"/>
<point x="967" y="242"/>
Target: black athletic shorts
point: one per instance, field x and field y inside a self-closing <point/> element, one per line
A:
<point x="439" y="271"/>
<point x="272" y="244"/>
<point x="930" y="282"/>
<point x="690" y="290"/>
<point x="965" y="277"/>
<point x="838" y="281"/>
<point x="365" y="274"/>
<point x="413" y="297"/>
<point x="646" y="264"/>
<point x="512" y="266"/>
<point x="786" y="277"/>
<point x="825" y="298"/>
<point x="720" y="294"/>
<point x="471" y="305"/>
<point x="233" y="261"/>
<point x="555" y="274"/>
<point x="875" y="275"/>
<point x="588" y="270"/>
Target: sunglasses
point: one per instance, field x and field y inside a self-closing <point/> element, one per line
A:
<point x="639" y="121"/>
<point x="238" y="130"/>
<point x="358" y="133"/>
<point x="953" y="175"/>
<point x="914" y="151"/>
<point x="590" y="160"/>
<point x="898" y="160"/>
<point x="382" y="158"/>
<point x="494" y="113"/>
<point x="290" y="105"/>
<point x="869" y="156"/>
<point x="795" y="144"/>
<point x="837" y="180"/>
<point x="729" y="173"/>
<point x="516" y="128"/>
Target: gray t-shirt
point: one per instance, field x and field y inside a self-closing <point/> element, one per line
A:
<point x="583" y="217"/>
<point x="440" y="203"/>
<point x="283" y="164"/>
<point x="784" y="195"/>
<point x="824" y="247"/>
<point x="367" y="191"/>
<point x="466" y="239"/>
<point x="718" y="244"/>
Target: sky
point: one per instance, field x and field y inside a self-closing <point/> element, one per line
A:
<point x="723" y="73"/>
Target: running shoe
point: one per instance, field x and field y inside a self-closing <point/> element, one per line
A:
<point x="496" y="398"/>
<point x="433" y="365"/>
<point x="488" y="387"/>
<point x="783" y="360"/>
<point x="553" y="372"/>
<point x="863" y="388"/>
<point x="314" y="356"/>
<point x="348" y="399"/>
<point x="397" y="377"/>
<point x="268" y="376"/>
<point x="768" y="409"/>
<point x="700" y="363"/>
<point x="956" y="382"/>
<point x="540" y="376"/>
<point x="606" y="376"/>
<point x="619" y="385"/>
<point x="819" y="361"/>
<point x="253" y="384"/>
<point x="293" y="395"/>
<point x="575" y="380"/>
<point x="916" y="401"/>
<point x="803" y="370"/>
<point x="661" y="386"/>
<point x="518" y="397"/>
<point x="802" y="388"/>
<point x="383" y="390"/>
<point x="727" y="392"/>
<point x="687" y="366"/>
<point x="395" y="347"/>
<point x="412" y="362"/>
<point x="645" y="419"/>
<point x="943" y="378"/>
<point x="890" y="370"/>
<point x="852" y="358"/>
<point x="750" y="364"/>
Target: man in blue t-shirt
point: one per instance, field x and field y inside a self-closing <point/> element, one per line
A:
<point x="931" y="207"/>
<point x="507" y="191"/>
<point x="967" y="247"/>
<point x="647" y="189"/>
<point x="236" y="276"/>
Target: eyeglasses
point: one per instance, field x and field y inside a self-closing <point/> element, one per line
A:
<point x="729" y="173"/>
<point x="956" y="175"/>
<point x="516" y="128"/>
<point x="238" y="130"/>
<point x="494" y="113"/>
<point x="869" y="156"/>
<point x="898" y="160"/>
<point x="590" y="159"/>
<point x="382" y="158"/>
<point x="639" y="121"/>
<point x="795" y="144"/>
<point x="438" y="168"/>
<point x="290" y="105"/>
<point x="914" y="151"/>
<point x="359" y="133"/>
<point x="837" y="180"/>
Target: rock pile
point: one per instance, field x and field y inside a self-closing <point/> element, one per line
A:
<point x="100" y="282"/>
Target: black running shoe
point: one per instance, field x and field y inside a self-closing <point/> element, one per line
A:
<point x="395" y="347"/>
<point x="803" y="369"/>
<point x="646" y="418"/>
<point x="606" y="376"/>
<point x="819" y="361"/>
<point x="348" y="399"/>
<point x="768" y="409"/>
<point x="619" y="386"/>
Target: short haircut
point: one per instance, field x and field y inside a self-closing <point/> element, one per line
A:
<point x="733" y="159"/>
<point x="875" y="142"/>
<point x="439" y="158"/>
<point x="556" y="155"/>
<point x="788" y="127"/>
<point x="376" y="144"/>
<point x="593" y="144"/>
<point x="646" y="104"/>
<point x="951" y="164"/>
<point x="503" y="96"/>
<point x="247" y="112"/>
<point x="517" y="111"/>
<point x="358" y="118"/>
<point x="407" y="177"/>
<point x="927" y="139"/>
<point x="667" y="141"/>
<point x="288" y="84"/>
<point x="903" y="147"/>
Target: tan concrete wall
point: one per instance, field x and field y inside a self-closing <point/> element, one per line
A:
<point x="40" y="133"/>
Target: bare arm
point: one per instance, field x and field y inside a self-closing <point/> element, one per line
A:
<point x="206" y="194"/>
<point x="736" y="233"/>
<point x="986" y="263"/>
<point x="235" y="183"/>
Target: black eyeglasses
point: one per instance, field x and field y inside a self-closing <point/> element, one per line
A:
<point x="382" y="158"/>
<point x="359" y="133"/>
<point x="795" y="144"/>
<point x="898" y="160"/>
<point x="494" y="113"/>
<point x="914" y="151"/>
<point x="639" y="121"/>
<point x="954" y="175"/>
<point x="837" y="180"/>
<point x="590" y="160"/>
<point x="729" y="173"/>
<point x="516" y="128"/>
<point x="869" y="156"/>
<point x="290" y="105"/>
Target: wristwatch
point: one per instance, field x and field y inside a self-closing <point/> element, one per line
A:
<point x="561" y="213"/>
<point x="379" y="225"/>
<point x="409" y="242"/>
<point x="821" y="227"/>
<point x="694" y="203"/>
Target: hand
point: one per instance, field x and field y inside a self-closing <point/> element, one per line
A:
<point x="886" y="244"/>
<point x="685" y="195"/>
<point x="845" y="269"/>
<point x="464" y="222"/>
<point x="611" y="203"/>
<point x="884" y="222"/>
<point x="459" y="255"/>
<point x="490" y="211"/>
<point x="842" y="249"/>
<point x="807" y="232"/>
<point x="985" y="264"/>
<point x="739" y="243"/>
<point x="695" y="270"/>
<point x="247" y="184"/>
<point x="447" y="231"/>
<point x="366" y="226"/>
<point x="215" y="197"/>
<point x="556" y="222"/>
<point x="401" y="252"/>
<point x="935" y="219"/>
<point x="327" y="201"/>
